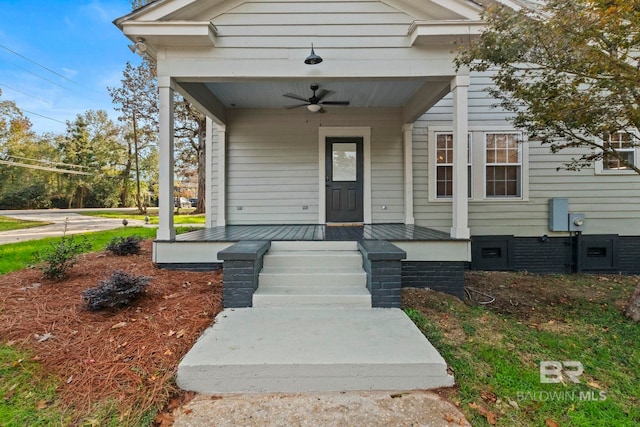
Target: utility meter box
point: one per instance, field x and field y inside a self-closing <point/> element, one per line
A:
<point x="558" y="214"/>
<point x="576" y="222"/>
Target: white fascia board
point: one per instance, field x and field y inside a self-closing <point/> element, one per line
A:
<point x="437" y="32"/>
<point x="465" y="8"/>
<point x="172" y="32"/>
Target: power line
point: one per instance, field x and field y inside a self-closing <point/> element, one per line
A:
<point x="39" y="65"/>
<point x="48" y="162"/>
<point x="44" y="168"/>
<point x="46" y="79"/>
<point x="44" y="117"/>
<point x="24" y="93"/>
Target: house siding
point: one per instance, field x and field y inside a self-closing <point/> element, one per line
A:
<point x="273" y="161"/>
<point x="611" y="203"/>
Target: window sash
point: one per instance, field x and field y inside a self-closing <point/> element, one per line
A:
<point x="503" y="165"/>
<point x="444" y="165"/>
<point x="623" y="143"/>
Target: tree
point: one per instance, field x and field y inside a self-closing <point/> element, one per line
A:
<point x="92" y="144"/>
<point x="190" y="133"/>
<point x="23" y="185"/>
<point x="570" y="73"/>
<point x="137" y="101"/>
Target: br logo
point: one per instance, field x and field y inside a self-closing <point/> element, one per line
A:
<point x="553" y="371"/>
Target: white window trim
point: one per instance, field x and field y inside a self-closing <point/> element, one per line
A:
<point x="599" y="164"/>
<point x="478" y="166"/>
<point x="523" y="152"/>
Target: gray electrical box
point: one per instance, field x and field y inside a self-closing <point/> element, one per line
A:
<point x="576" y="222"/>
<point x="559" y="214"/>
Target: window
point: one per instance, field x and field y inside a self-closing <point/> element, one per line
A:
<point x="503" y="165"/>
<point x="496" y="164"/>
<point x="623" y="143"/>
<point x="444" y="164"/>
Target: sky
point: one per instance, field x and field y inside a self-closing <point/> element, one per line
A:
<point x="57" y="57"/>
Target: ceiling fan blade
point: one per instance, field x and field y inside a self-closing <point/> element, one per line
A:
<point x="289" y="107"/>
<point x="323" y="93"/>
<point x="335" y="103"/>
<point x="296" y="97"/>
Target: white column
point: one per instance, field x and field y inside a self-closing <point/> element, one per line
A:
<point x="407" y="130"/>
<point x="460" y="89"/>
<point x="222" y="173"/>
<point x="166" y="154"/>
<point x="208" y="147"/>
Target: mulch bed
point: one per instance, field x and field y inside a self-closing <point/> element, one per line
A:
<point x="129" y="354"/>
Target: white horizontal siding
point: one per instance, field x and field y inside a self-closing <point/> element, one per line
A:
<point x="611" y="203"/>
<point x="272" y="164"/>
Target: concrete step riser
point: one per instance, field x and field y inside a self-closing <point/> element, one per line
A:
<point x="356" y="279"/>
<point x="313" y="246"/>
<point x="296" y="260"/>
<point x="346" y="301"/>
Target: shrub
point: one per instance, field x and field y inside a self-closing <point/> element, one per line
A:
<point x="61" y="255"/>
<point x="119" y="290"/>
<point x="129" y="245"/>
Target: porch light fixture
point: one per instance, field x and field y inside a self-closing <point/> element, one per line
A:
<point x="312" y="59"/>
<point x="139" y="48"/>
<point x="314" y="108"/>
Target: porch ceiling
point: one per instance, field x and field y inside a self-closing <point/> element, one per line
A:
<point x="413" y="94"/>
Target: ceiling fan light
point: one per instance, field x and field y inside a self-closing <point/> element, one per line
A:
<point x="312" y="59"/>
<point x="314" y="108"/>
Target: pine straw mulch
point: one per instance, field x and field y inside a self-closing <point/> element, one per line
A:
<point x="128" y="355"/>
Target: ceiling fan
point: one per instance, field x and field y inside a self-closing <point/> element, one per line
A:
<point x="315" y="103"/>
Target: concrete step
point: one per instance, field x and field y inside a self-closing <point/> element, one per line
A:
<point x="301" y="277"/>
<point x="312" y="274"/>
<point x="320" y="258"/>
<point x="309" y="349"/>
<point x="335" y="296"/>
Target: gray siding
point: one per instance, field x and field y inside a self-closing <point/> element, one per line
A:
<point x="273" y="160"/>
<point x="611" y="203"/>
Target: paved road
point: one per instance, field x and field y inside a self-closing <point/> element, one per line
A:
<point x="72" y="220"/>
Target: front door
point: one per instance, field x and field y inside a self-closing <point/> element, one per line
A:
<point x="344" y="179"/>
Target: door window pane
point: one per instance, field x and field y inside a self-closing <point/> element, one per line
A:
<point x="344" y="161"/>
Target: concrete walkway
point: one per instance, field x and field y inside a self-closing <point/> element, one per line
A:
<point x="280" y="349"/>
<point x="283" y="366"/>
<point x="74" y="222"/>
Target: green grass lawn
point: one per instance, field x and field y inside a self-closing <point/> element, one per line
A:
<point x="15" y="256"/>
<point x="185" y="216"/>
<point x="26" y="391"/>
<point x="8" y="223"/>
<point x="495" y="355"/>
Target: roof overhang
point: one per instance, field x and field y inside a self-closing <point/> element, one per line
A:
<point x="444" y="32"/>
<point x="172" y="33"/>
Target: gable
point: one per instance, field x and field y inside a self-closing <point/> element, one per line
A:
<point x="295" y="24"/>
<point x="201" y="10"/>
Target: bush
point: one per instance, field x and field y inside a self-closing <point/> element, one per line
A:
<point x="129" y="245"/>
<point x="61" y="255"/>
<point x="119" y="290"/>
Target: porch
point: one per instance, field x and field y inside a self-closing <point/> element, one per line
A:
<point x="424" y="257"/>
<point x="315" y="232"/>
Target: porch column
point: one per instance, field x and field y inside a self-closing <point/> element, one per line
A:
<point x="208" y="146"/>
<point x="407" y="130"/>
<point x="460" y="89"/>
<point x="222" y="173"/>
<point x="166" y="157"/>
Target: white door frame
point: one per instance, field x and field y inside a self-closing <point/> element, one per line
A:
<point x="328" y="132"/>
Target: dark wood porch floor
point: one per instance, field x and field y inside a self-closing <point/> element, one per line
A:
<point x="314" y="232"/>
